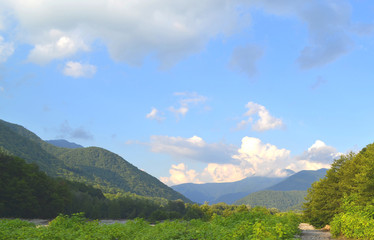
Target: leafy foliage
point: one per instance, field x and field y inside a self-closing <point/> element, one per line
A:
<point x="282" y="200"/>
<point x="257" y="223"/>
<point x="355" y="221"/>
<point x="344" y="197"/>
<point x="27" y="192"/>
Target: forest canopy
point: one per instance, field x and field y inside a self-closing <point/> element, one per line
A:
<point x="350" y="179"/>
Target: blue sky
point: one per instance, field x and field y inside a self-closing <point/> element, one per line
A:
<point x="193" y="91"/>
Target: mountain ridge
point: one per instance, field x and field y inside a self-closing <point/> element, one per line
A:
<point x="228" y="191"/>
<point x="95" y="166"/>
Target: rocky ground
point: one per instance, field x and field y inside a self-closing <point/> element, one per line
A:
<point x="308" y="232"/>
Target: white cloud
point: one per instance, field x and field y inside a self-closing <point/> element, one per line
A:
<point x="6" y="50"/>
<point x="212" y="173"/>
<point x="320" y="152"/>
<point x="154" y="115"/>
<point x="55" y="44"/>
<point x="76" y="70"/>
<point x="179" y="111"/>
<point x="194" y="148"/>
<point x="253" y="158"/>
<point x="263" y="159"/>
<point x="180" y="174"/>
<point x="264" y="122"/>
<point x="131" y="30"/>
<point x="172" y="30"/>
<point x="225" y="172"/>
<point x="245" y="58"/>
<point x="186" y="100"/>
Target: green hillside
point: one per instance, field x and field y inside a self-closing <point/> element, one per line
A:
<point x="299" y="181"/>
<point x="282" y="200"/>
<point x="96" y="166"/>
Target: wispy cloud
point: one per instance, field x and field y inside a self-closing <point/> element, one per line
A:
<point x="186" y="101"/>
<point x="6" y="50"/>
<point x="244" y="59"/>
<point x="193" y="148"/>
<point x="154" y="115"/>
<point x="318" y="83"/>
<point x="77" y="70"/>
<point x="66" y="131"/>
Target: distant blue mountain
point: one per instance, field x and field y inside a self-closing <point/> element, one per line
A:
<point x="227" y="192"/>
<point x="64" y="144"/>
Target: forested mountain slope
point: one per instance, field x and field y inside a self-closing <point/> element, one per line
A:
<point x="282" y="200"/>
<point x="95" y="166"/>
<point x="287" y="194"/>
<point x="299" y="181"/>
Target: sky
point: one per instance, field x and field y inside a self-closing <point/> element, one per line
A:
<point x="193" y="91"/>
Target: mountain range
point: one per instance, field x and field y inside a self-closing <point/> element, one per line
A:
<point x="111" y="173"/>
<point x="252" y="190"/>
<point x="227" y="192"/>
<point x="92" y="165"/>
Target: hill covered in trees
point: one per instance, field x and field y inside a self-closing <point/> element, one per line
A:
<point x="27" y="192"/>
<point x="282" y="200"/>
<point x="286" y="195"/>
<point x="95" y="166"/>
<point x="299" y="181"/>
<point x="344" y="198"/>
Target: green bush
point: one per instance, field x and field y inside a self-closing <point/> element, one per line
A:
<point x="257" y="223"/>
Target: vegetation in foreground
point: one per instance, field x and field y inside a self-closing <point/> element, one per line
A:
<point x="257" y="223"/>
<point x="344" y="198"/>
<point x="26" y="192"/>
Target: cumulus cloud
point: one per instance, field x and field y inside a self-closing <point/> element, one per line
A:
<point x="180" y="174"/>
<point x="6" y="50"/>
<point x="244" y="59"/>
<point x="154" y="115"/>
<point x="253" y="158"/>
<point x="186" y="100"/>
<point x="77" y="70"/>
<point x="264" y="122"/>
<point x="55" y="45"/>
<point x="263" y="159"/>
<point x="225" y="172"/>
<point x="66" y="131"/>
<point x="193" y="148"/>
<point x="320" y="152"/>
